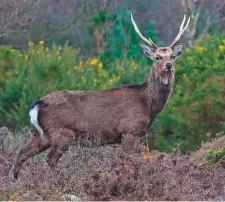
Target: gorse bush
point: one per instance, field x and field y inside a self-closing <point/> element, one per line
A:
<point x="196" y="106"/>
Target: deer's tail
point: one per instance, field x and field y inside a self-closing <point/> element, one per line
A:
<point x="34" y="118"/>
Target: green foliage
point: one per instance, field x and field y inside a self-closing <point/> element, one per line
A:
<point x="214" y="156"/>
<point x="122" y="40"/>
<point x="103" y="17"/>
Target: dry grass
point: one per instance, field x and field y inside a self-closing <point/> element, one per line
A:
<point x="107" y="173"/>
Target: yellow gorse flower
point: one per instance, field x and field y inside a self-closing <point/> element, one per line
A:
<point x="134" y="65"/>
<point x="200" y="49"/>
<point x="100" y="66"/>
<point x="95" y="82"/>
<point x="94" y="61"/>
<point x="80" y="67"/>
<point x="31" y="43"/>
<point x="41" y="42"/>
<point x="221" y="48"/>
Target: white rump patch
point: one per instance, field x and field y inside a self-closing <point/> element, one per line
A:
<point x="33" y="119"/>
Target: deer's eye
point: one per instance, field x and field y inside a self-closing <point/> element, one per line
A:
<point x="173" y="57"/>
<point x="157" y="58"/>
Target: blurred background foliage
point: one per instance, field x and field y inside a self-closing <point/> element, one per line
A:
<point x="89" y="45"/>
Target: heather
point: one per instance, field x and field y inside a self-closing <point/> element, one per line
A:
<point x="107" y="173"/>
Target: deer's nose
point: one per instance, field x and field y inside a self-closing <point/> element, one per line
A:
<point x="169" y="66"/>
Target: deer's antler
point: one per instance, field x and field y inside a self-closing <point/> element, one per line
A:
<point x="181" y="31"/>
<point x="148" y="41"/>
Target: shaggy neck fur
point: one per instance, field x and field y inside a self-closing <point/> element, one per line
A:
<point x="158" y="93"/>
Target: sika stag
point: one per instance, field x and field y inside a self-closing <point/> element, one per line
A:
<point x="121" y="114"/>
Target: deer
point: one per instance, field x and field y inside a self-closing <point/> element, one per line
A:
<point x="121" y="115"/>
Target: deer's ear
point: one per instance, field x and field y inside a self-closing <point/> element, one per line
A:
<point x="178" y="50"/>
<point x="148" y="51"/>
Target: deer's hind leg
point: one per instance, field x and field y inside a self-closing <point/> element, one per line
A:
<point x="60" y="142"/>
<point x="35" y="145"/>
<point x="55" y="154"/>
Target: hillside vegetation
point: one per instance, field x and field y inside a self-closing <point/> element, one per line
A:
<point x="107" y="173"/>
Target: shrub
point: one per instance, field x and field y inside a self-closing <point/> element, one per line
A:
<point x="200" y="156"/>
<point x="215" y="155"/>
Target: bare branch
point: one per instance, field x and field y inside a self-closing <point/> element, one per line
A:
<point x="14" y="15"/>
<point x="216" y="8"/>
<point x="195" y="8"/>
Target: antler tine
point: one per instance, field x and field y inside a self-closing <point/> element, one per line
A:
<point x="182" y="24"/>
<point x="148" y="41"/>
<point x="181" y="31"/>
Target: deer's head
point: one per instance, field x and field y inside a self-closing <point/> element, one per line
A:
<point x="163" y="57"/>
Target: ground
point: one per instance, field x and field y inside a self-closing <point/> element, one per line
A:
<point x="107" y="173"/>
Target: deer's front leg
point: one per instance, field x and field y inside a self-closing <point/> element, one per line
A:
<point x="130" y="139"/>
<point x="128" y="142"/>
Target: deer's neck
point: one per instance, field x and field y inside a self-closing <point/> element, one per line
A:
<point x="158" y="95"/>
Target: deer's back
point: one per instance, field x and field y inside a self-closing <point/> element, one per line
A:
<point x="117" y="110"/>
